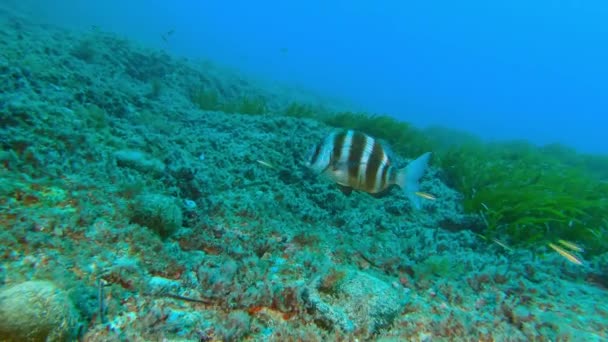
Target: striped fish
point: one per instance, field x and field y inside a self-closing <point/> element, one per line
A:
<point x="357" y="161"/>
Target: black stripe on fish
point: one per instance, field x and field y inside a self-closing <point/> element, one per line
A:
<point x="337" y="148"/>
<point x="373" y="167"/>
<point x="355" y="156"/>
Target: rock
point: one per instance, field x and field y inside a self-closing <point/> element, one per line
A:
<point x="160" y="285"/>
<point x="358" y="302"/>
<point x="160" y="213"/>
<point x="37" y="311"/>
<point x="139" y="161"/>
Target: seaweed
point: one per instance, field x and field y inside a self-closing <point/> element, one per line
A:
<point x="205" y="99"/>
<point x="251" y="105"/>
<point x="209" y="99"/>
<point x="403" y="138"/>
<point x="529" y="196"/>
<point x="300" y="110"/>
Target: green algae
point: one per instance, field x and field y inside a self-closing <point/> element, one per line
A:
<point x="526" y="195"/>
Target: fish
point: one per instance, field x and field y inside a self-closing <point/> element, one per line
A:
<point x="357" y="161"/>
<point x="502" y="244"/>
<point x="165" y="36"/>
<point x="426" y="195"/>
<point x="265" y="163"/>
<point x="571" y="246"/>
<point x="569" y="256"/>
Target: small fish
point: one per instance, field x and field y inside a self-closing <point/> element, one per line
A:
<point x="502" y="244"/>
<point x="569" y="256"/>
<point x="165" y="36"/>
<point x="482" y="236"/>
<point x="571" y="246"/>
<point x="357" y="161"/>
<point x="425" y="195"/>
<point x="267" y="164"/>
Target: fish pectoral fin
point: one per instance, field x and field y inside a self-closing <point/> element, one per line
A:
<point x="336" y="166"/>
<point x="347" y="190"/>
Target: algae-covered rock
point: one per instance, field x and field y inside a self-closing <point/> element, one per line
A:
<point x="357" y="301"/>
<point x="139" y="161"/>
<point x="37" y="311"/>
<point x="160" y="213"/>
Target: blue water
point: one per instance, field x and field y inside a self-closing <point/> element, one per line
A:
<point x="533" y="70"/>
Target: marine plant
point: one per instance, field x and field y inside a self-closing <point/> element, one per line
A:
<point x="526" y="195"/>
<point x="330" y="281"/>
<point x="252" y="105"/>
<point x="84" y="50"/>
<point x="205" y="99"/>
<point x="403" y="138"/>
<point x="156" y="87"/>
<point x="210" y="99"/>
<point x="300" y="110"/>
<point x="95" y="116"/>
<point x="596" y="164"/>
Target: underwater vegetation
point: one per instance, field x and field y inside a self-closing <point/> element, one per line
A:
<point x="205" y="99"/>
<point x="244" y="104"/>
<point x="301" y="110"/>
<point x="252" y="105"/>
<point x="529" y="196"/>
<point x="403" y="138"/>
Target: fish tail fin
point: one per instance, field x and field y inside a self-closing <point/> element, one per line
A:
<point x="409" y="176"/>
